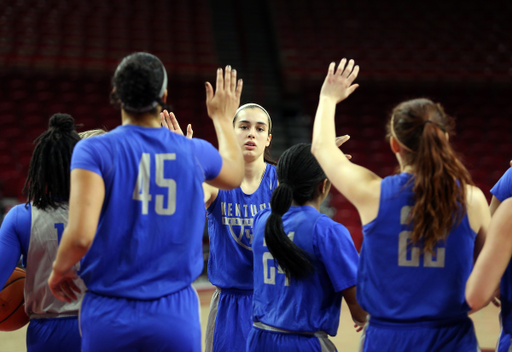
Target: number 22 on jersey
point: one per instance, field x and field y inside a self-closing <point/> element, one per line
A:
<point x="141" y="190"/>
<point x="409" y="254"/>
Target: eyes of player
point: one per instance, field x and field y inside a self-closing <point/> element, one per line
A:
<point x="246" y="127"/>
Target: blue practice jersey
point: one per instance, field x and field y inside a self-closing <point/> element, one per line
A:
<point x="230" y="219"/>
<point x="503" y="190"/>
<point x="312" y="304"/>
<point x="398" y="281"/>
<point x="149" y="238"/>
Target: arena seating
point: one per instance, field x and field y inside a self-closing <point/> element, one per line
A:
<point x="444" y="41"/>
<point x="95" y="35"/>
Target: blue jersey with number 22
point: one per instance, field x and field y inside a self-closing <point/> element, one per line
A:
<point x="398" y="280"/>
<point x="149" y="238"/>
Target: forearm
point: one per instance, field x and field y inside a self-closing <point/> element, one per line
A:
<point x="72" y="248"/>
<point x="229" y="149"/>
<point x="324" y="128"/>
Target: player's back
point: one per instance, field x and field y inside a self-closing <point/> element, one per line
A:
<point x="312" y="304"/>
<point x="398" y="280"/>
<point x="148" y="242"/>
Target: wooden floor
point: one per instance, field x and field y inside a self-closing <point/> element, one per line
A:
<point x="347" y="339"/>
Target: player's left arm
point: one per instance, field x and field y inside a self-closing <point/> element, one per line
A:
<point x="85" y="203"/>
<point x="493" y="259"/>
<point x="358" y="314"/>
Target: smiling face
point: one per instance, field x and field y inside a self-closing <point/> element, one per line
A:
<point x="252" y="131"/>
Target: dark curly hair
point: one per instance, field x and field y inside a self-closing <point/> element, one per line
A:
<point x="47" y="184"/>
<point x="139" y="84"/>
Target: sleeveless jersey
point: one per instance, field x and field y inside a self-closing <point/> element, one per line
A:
<point x="230" y="219"/>
<point x="503" y="190"/>
<point x="45" y="234"/>
<point x="149" y="238"/>
<point x="312" y="304"/>
<point x="398" y="281"/>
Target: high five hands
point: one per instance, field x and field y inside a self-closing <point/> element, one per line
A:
<point x="338" y="85"/>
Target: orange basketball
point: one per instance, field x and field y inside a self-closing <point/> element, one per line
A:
<point x="12" y="302"/>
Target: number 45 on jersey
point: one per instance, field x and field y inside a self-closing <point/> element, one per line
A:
<point x="141" y="190"/>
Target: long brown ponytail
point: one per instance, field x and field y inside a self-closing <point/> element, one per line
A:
<point x="440" y="179"/>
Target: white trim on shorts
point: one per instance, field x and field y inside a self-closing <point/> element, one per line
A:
<point x="210" y="324"/>
<point x="326" y="345"/>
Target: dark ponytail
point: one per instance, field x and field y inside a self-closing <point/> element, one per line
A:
<point x="299" y="176"/>
<point x="48" y="180"/>
<point x="440" y="179"/>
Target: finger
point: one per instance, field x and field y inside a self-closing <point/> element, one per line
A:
<point x="190" y="132"/>
<point x="348" y="70"/>
<point x="330" y="71"/>
<point x="227" y="77"/>
<point x="348" y="156"/>
<point x="232" y="87"/>
<point x="220" y="81"/>
<point x="341" y="66"/>
<point x="510" y="163"/>
<point x="342" y="139"/>
<point x="353" y="75"/>
<point x="209" y="91"/>
<point x="352" y="88"/>
<point x="175" y="124"/>
<point x="61" y="296"/>
<point x="74" y="287"/>
<point x="68" y="291"/>
<point x="162" y="120"/>
<point x="167" y="120"/>
<point x="239" y="90"/>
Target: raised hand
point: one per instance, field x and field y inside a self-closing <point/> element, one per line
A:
<point x="226" y="99"/>
<point x="169" y="121"/>
<point x="338" y="85"/>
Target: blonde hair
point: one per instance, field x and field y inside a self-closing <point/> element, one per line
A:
<point x="92" y="133"/>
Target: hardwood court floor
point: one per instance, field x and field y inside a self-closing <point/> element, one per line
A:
<point x="486" y="324"/>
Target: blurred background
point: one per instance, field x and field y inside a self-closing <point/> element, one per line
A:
<point x="59" y="56"/>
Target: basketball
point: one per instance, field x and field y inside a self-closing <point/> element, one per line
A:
<point x="12" y="302"/>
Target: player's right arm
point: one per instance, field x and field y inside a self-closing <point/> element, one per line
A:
<point x="358" y="184"/>
<point x="222" y="105"/>
<point x="10" y="246"/>
<point x="493" y="259"/>
<point x="479" y="216"/>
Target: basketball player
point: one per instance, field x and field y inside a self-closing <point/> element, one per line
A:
<point x="230" y="216"/>
<point x="304" y="263"/>
<point x="136" y="215"/>
<point x="34" y="230"/>
<point x="496" y="257"/>
<point x="422" y="227"/>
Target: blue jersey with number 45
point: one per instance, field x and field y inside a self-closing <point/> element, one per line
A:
<point x="398" y="280"/>
<point x="149" y="238"/>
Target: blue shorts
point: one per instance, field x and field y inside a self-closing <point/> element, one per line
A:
<point x="229" y="321"/>
<point x="264" y="340"/>
<point x="420" y="337"/>
<point x="170" y="323"/>
<point x="504" y="343"/>
<point x="53" y="334"/>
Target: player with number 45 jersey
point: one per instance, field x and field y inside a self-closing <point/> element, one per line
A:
<point x="137" y="216"/>
<point x="422" y="228"/>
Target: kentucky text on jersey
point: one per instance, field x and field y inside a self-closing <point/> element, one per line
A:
<point x="242" y="215"/>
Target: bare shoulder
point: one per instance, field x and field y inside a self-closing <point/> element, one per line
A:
<point x="477" y="208"/>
